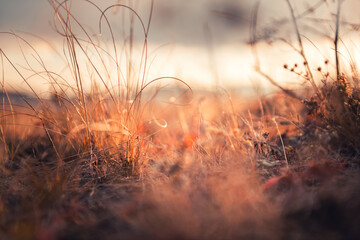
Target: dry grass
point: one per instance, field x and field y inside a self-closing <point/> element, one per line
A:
<point x="116" y="163"/>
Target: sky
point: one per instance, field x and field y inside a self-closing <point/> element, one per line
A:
<point x="204" y="42"/>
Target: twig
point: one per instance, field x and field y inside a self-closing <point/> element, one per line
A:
<point x="302" y="51"/>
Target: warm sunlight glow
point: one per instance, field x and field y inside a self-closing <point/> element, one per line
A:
<point x="179" y="119"/>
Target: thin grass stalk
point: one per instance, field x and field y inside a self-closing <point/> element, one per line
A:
<point x="145" y="30"/>
<point x="4" y="123"/>
<point x="253" y="43"/>
<point x="61" y="20"/>
<point x="144" y="54"/>
<point x="34" y="110"/>
<point x="302" y="51"/>
<point x="131" y="43"/>
<point x="118" y="70"/>
<point x="336" y="39"/>
<point x="42" y="64"/>
<point x="78" y="78"/>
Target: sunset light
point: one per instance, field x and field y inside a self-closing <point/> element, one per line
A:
<point x="179" y="119"/>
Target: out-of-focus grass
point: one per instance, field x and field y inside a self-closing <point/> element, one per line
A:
<point x="116" y="163"/>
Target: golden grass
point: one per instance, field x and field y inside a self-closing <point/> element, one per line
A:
<point x="116" y="163"/>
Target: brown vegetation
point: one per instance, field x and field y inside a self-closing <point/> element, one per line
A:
<point x="118" y="164"/>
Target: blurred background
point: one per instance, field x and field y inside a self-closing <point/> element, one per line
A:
<point x="203" y="42"/>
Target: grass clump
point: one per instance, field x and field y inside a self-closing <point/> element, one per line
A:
<point x="113" y="162"/>
<point x="337" y="113"/>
